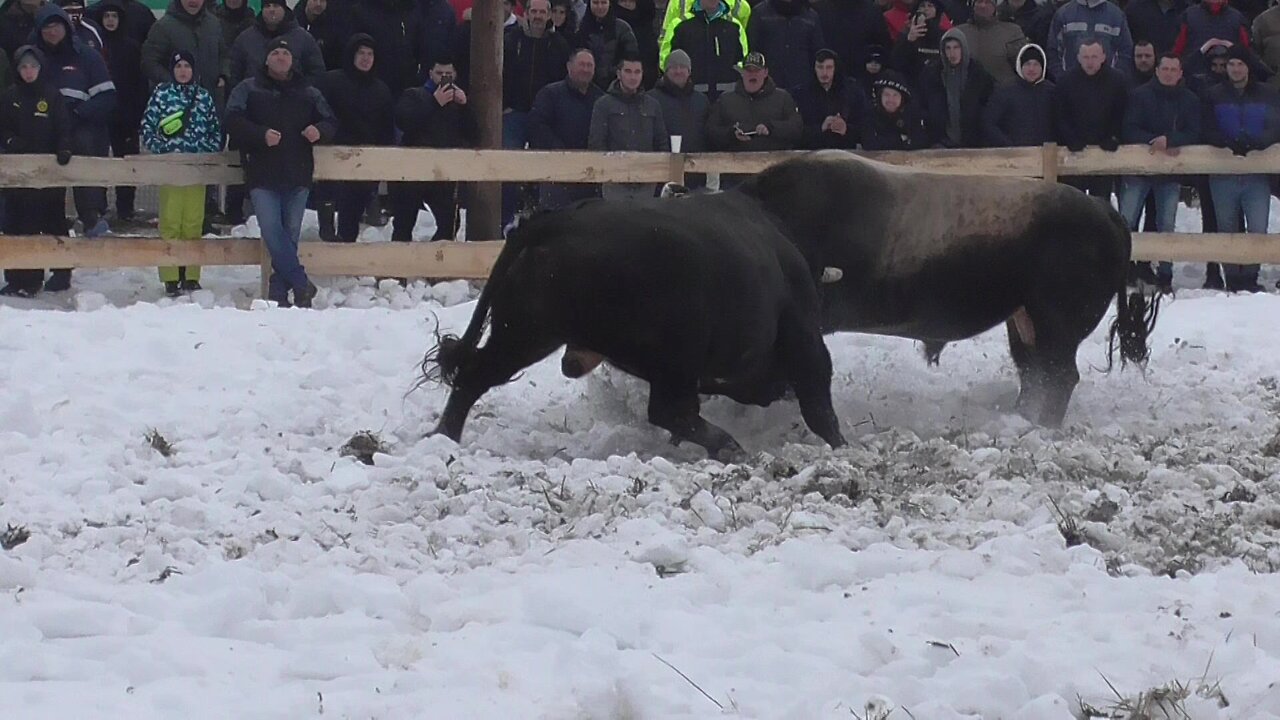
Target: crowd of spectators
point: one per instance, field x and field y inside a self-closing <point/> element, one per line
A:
<point x="719" y="75"/>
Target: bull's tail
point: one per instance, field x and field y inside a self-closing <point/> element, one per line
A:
<point x="450" y="353"/>
<point x="1136" y="313"/>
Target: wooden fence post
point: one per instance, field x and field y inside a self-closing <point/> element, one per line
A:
<point x="1049" y="162"/>
<point x="264" y="264"/>
<point x="677" y="168"/>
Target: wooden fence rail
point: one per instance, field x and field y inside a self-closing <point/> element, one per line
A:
<point x="473" y="259"/>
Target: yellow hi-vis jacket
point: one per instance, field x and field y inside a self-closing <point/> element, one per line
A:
<point x="680" y="10"/>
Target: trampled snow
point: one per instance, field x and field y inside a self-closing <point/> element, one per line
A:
<point x="566" y="561"/>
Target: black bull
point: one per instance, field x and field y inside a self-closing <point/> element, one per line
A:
<point x="940" y="258"/>
<point x="718" y="294"/>
<point x="713" y="301"/>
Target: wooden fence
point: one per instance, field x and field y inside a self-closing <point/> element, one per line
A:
<point x="473" y="259"/>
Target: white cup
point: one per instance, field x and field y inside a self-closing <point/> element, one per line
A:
<point x="675" y="143"/>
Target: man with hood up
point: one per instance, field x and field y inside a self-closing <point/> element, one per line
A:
<point x="80" y="74"/>
<point x="383" y="21"/>
<point x="275" y="20"/>
<point x="956" y="88"/>
<point x="33" y="121"/>
<point x="189" y="26"/>
<point x="1081" y="20"/>
<point x="136" y="19"/>
<point x="17" y="21"/>
<point x="832" y="105"/>
<point x="1020" y="114"/>
<point x="363" y="107"/>
<point x="627" y="119"/>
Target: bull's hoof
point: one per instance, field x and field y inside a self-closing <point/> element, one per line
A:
<point x="730" y="455"/>
<point x="440" y="429"/>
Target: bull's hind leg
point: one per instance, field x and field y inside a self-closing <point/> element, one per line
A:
<point x="1044" y="348"/>
<point x="808" y="365"/>
<point x="494" y="364"/>
<point x="1030" y="376"/>
<point x="675" y="406"/>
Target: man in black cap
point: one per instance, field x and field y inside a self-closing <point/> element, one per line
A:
<point x="275" y="117"/>
<point x="831" y="104"/>
<point x="757" y="115"/>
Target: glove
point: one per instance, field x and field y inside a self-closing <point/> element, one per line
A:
<point x="64" y="157"/>
<point x="1076" y="147"/>
<point x="1239" y="147"/>
<point x="1110" y="145"/>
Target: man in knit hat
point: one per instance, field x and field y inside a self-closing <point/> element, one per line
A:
<point x="275" y="117"/>
<point x="275" y="21"/>
<point x="684" y="109"/>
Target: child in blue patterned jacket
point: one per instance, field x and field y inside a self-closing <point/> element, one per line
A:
<point x="181" y="118"/>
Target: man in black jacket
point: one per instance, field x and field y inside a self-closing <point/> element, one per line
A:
<point x="363" y="106"/>
<point x="136" y="19"/>
<point x="33" y="121"/>
<point x="275" y="117"/>
<point x="832" y="105"/>
<point x="124" y="61"/>
<point x="1020" y="113"/>
<point x="956" y="88"/>
<point x="561" y="120"/>
<point x="1089" y="110"/>
<point x="435" y="115"/>
<point x="533" y="56"/>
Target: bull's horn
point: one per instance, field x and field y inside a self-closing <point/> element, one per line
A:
<point x="831" y="274"/>
<point x="674" y="190"/>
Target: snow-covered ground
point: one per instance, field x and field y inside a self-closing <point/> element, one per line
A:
<point x="567" y="562"/>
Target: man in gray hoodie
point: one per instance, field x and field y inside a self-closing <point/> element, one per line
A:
<point x="626" y="119"/>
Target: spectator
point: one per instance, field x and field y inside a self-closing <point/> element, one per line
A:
<point x="1244" y="115"/>
<point x="684" y="110"/>
<point x="363" y="107"/>
<point x="1266" y="35"/>
<point x="181" y="117"/>
<point x="852" y="28"/>
<point x="1209" y="23"/>
<point x="429" y="31"/>
<point x="1095" y="20"/>
<point x="1200" y="84"/>
<point x="642" y="16"/>
<point x="876" y="63"/>
<point x="187" y="25"/>
<point x="275" y="117"/>
<point x="6" y="79"/>
<point x="435" y="115"/>
<point x="84" y="29"/>
<point x="737" y="12"/>
<point x="275" y="20"/>
<point x="563" y="20"/>
<point x="903" y="14"/>
<point x="608" y="39"/>
<point x="382" y="21"/>
<point x="787" y="31"/>
<point x="81" y="75"/>
<point x="832" y="105"/>
<point x="757" y="116"/>
<point x="995" y="43"/>
<point x="1033" y="17"/>
<point x="955" y="89"/>
<point x="1163" y="115"/>
<point x="1020" y="114"/>
<point x="895" y="123"/>
<point x="1090" y="102"/>
<point x="534" y="56"/>
<point x="627" y="119"/>
<point x="918" y="46"/>
<point x="234" y="17"/>
<point x="136" y="19"/>
<point x="34" y="120"/>
<point x="327" y="25"/>
<point x="17" y="23"/>
<point x="1144" y="62"/>
<point x="715" y="43"/>
<point x="1159" y="21"/>
<point x="124" y="63"/>
<point x="561" y="120"/>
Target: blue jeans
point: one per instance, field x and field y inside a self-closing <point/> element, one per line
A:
<point x="1133" y="195"/>
<point x="279" y="215"/>
<point x="515" y="135"/>
<point x="1233" y="194"/>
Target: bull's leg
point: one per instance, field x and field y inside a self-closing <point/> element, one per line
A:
<point x="808" y="365"/>
<point x="675" y="407"/>
<point x="1061" y="377"/>
<point x="492" y="365"/>
<point x="1029" y="373"/>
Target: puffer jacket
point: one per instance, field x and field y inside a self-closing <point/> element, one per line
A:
<point x="771" y="106"/>
<point x="199" y="34"/>
<point x="287" y="106"/>
<point x="201" y="132"/>
<point x="250" y="49"/>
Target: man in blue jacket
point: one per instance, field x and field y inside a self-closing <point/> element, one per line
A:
<point x="561" y="120"/>
<point x="1244" y="116"/>
<point x="1163" y="115"/>
<point x="1079" y="21"/>
<point x="81" y="76"/>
